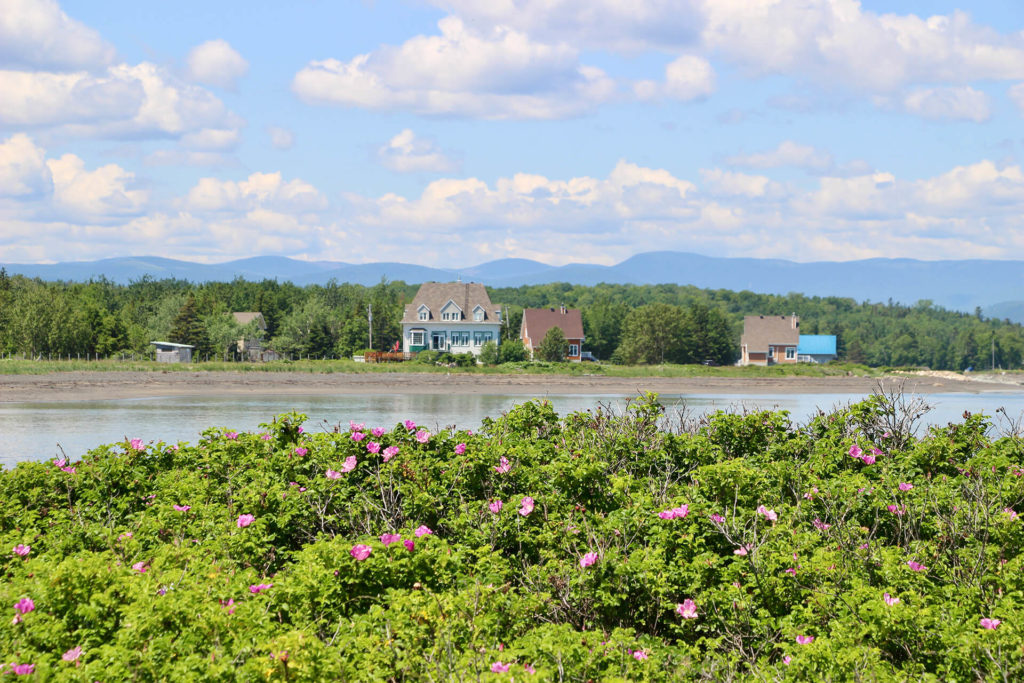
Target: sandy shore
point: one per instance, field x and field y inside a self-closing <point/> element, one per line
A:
<point x="88" y="386"/>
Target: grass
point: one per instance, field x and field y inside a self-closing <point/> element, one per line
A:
<point x="15" y="366"/>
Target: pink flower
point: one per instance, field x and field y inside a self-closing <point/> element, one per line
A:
<point x="639" y="655"/>
<point x="245" y="520"/>
<point x="299" y="429"/>
<point x="73" y="654"/>
<point x="680" y="512"/>
<point x="358" y="436"/>
<point x="24" y="606"/>
<point x="390" y="452"/>
<point x="373" y="447"/>
<point x="265" y="437"/>
<point x="22" y="669"/>
<point x="69" y="469"/>
<point x="388" y="539"/>
<point x="868" y="460"/>
<point x="423" y="436"/>
<point x="687" y="609"/>
<point x="229" y="605"/>
<point x="360" y="551"/>
<point x="353" y="427"/>
<point x="22" y="550"/>
<point x="770" y="515"/>
<point x="349" y="464"/>
<point x="529" y="669"/>
<point x="124" y="536"/>
<point x="904" y="486"/>
<point x="137" y="445"/>
<point x="140" y="567"/>
<point x="526" y="506"/>
<point x="232" y="435"/>
<point x="718" y="519"/>
<point x="499" y="668"/>
<point x="496" y="506"/>
<point x="890" y="600"/>
<point x="805" y="640"/>
<point x="300" y="451"/>
<point x="786" y="660"/>
<point x="258" y="588"/>
<point x="503" y="465"/>
<point x="876" y="451"/>
<point x="990" y="624"/>
<point x="332" y="474"/>
<point x="741" y="551"/>
<point x="820" y="525"/>
<point x="409" y="544"/>
<point x="855" y="451"/>
<point x="423" y="530"/>
<point x="588" y="559"/>
<point x="182" y="508"/>
<point x="917" y="567"/>
<point x="377" y="431"/>
<point x="460" y="448"/>
<point x="410" y="425"/>
<point x="665" y="514"/>
<point x="896" y="510"/>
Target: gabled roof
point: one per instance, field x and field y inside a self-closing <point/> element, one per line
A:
<point x="817" y="344"/>
<point x="245" y="317"/>
<point x="537" y="322"/>
<point x="436" y="295"/>
<point x="760" y="331"/>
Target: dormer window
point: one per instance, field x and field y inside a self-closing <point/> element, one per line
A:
<point x="450" y="315"/>
<point x="451" y="312"/>
<point x="478" y="314"/>
<point x="424" y="313"/>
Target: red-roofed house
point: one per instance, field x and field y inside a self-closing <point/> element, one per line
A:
<point x="769" y="339"/>
<point x="537" y="322"/>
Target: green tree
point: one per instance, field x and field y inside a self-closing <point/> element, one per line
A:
<point x="489" y="353"/>
<point x="654" y="334"/>
<point x="188" y="328"/>
<point x="602" y="326"/>
<point x="710" y="336"/>
<point x="553" y="347"/>
<point x="513" y="351"/>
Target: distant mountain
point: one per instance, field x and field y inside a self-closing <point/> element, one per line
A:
<point x="1006" y="310"/>
<point x="959" y="285"/>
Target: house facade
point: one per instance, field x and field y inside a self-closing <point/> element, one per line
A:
<point x="537" y="322"/>
<point x="769" y="339"/>
<point x="171" y="352"/>
<point x="456" y="317"/>
<point x="250" y="346"/>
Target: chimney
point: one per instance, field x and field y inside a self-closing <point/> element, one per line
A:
<point x="793" y="321"/>
<point x="562" y="309"/>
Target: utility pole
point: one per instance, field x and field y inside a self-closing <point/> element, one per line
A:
<point x="993" y="352"/>
<point x="369" y="322"/>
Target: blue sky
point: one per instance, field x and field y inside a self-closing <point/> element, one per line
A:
<point x="445" y="132"/>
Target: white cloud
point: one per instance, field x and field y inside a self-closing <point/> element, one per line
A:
<point x="281" y="138"/>
<point x="94" y="195"/>
<point x="37" y="34"/>
<point x="960" y="103"/>
<point x="500" y="74"/>
<point x="126" y="101"/>
<point x="260" y="191"/>
<point x="23" y="169"/>
<point x="686" y="78"/>
<point x="729" y="183"/>
<point x="405" y="153"/>
<point x="215" y="62"/>
<point x="788" y="153"/>
<point x="1016" y="94"/>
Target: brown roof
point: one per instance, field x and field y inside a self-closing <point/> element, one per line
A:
<point x="537" y="322"/>
<point x="466" y="295"/>
<point x="761" y="330"/>
<point x="245" y="317"/>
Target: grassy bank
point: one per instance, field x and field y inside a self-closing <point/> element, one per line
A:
<point x="32" y="367"/>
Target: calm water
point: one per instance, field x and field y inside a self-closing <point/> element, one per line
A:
<point x="38" y="431"/>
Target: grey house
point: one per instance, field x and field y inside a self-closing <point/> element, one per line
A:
<point x="171" y="352"/>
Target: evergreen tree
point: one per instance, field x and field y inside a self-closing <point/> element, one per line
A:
<point x="188" y="328"/>
<point x="554" y="347"/>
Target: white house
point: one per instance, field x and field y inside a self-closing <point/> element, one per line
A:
<point x="457" y="317"/>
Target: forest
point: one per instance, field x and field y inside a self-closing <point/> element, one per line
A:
<point x="627" y="324"/>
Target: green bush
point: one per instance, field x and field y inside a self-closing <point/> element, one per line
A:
<point x="849" y="548"/>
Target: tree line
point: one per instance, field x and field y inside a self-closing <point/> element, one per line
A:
<point x="630" y="324"/>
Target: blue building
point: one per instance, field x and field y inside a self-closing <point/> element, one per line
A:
<point x="816" y="348"/>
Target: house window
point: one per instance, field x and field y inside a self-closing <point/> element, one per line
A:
<point x="460" y="338"/>
<point x="416" y="338"/>
<point x="790" y="352"/>
<point x="481" y="338"/>
<point x="478" y="315"/>
<point x="424" y="314"/>
<point x="438" y="341"/>
<point x="574" y="349"/>
<point x="771" y="352"/>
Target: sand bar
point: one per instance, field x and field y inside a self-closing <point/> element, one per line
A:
<point x="88" y="386"/>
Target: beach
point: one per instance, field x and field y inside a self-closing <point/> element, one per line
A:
<point x="87" y="386"/>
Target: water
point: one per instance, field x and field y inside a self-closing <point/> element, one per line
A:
<point x="39" y="431"/>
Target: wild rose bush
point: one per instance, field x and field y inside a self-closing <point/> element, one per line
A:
<point x="594" y="547"/>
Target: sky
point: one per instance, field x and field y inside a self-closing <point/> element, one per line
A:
<point x="454" y="132"/>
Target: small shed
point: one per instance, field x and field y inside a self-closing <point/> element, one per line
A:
<point x="172" y="352"/>
<point x="816" y="348"/>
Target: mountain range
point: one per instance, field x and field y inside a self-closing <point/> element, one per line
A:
<point x="994" y="286"/>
